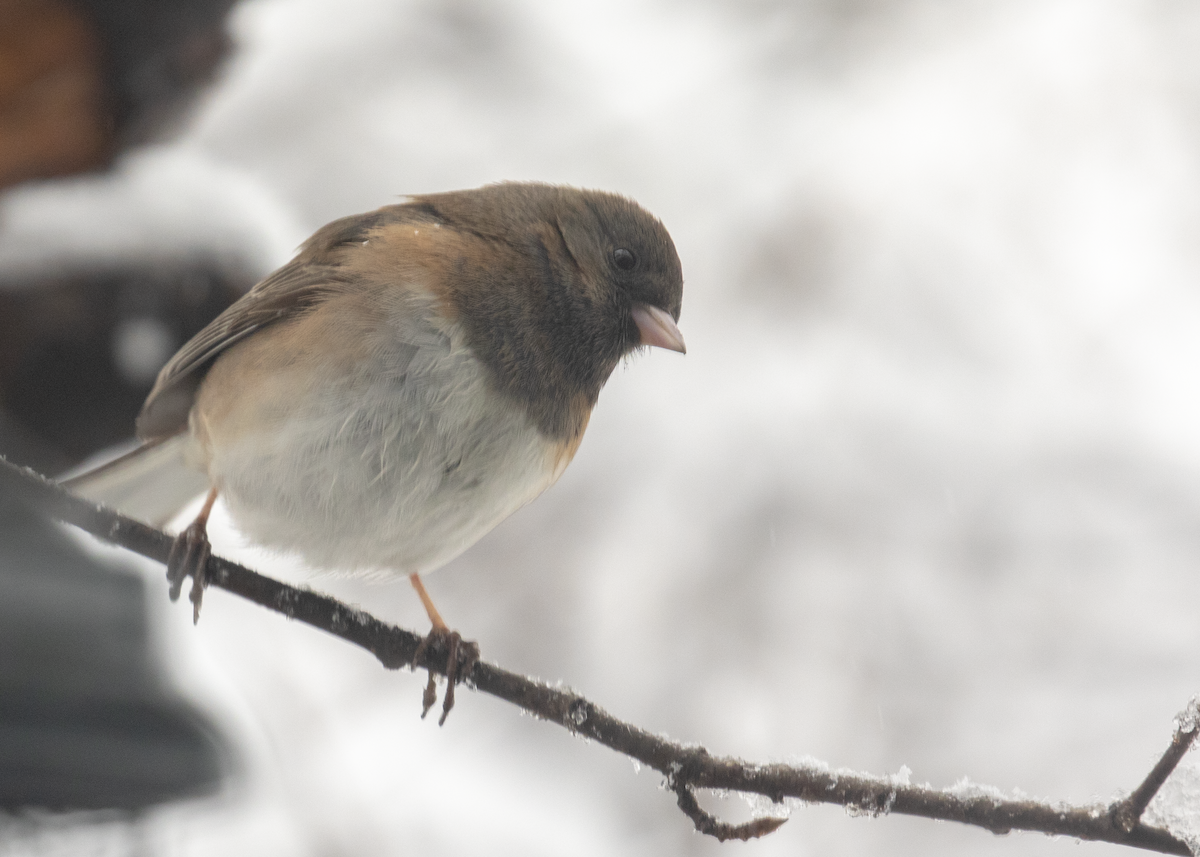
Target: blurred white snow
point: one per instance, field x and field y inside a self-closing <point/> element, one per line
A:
<point x="925" y="490"/>
<point x="170" y="201"/>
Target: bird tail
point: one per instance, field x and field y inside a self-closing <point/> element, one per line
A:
<point x="152" y="483"/>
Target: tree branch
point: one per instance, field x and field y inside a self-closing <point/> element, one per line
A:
<point x="686" y="768"/>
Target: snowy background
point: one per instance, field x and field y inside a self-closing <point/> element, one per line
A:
<point x="925" y="490"/>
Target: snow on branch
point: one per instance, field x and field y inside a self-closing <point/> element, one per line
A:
<point x="685" y="767"/>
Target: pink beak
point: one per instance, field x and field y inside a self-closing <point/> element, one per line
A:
<point x="657" y="328"/>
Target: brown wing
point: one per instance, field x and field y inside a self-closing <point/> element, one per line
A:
<point x="299" y="285"/>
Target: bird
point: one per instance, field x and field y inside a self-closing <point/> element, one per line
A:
<point x="409" y="379"/>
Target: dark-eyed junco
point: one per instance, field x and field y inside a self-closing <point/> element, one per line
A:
<point x="411" y="378"/>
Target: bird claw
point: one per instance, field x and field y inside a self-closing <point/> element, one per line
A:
<point x="189" y="556"/>
<point x="461" y="657"/>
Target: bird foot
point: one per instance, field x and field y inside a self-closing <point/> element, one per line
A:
<point x="461" y="657"/>
<point x="189" y="556"/>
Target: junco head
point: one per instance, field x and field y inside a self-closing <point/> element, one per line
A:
<point x="410" y="378"/>
<point x="561" y="286"/>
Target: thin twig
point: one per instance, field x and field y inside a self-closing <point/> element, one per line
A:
<point x="1127" y="813"/>
<point x="723" y="832"/>
<point x="685" y="767"/>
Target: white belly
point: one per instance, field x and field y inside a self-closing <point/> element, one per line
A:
<point x="397" y="460"/>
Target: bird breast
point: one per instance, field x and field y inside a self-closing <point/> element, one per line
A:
<point x="398" y="454"/>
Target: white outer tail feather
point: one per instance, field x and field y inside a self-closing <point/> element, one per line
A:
<point x="152" y="483"/>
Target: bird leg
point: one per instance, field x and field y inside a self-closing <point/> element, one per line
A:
<point x="455" y="644"/>
<point x="189" y="555"/>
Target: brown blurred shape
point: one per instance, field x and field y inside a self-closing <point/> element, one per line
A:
<point x="53" y="116"/>
<point x="82" y="80"/>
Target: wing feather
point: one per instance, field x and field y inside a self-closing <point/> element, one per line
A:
<point x="316" y="272"/>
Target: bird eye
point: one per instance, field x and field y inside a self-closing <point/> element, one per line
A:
<point x="624" y="259"/>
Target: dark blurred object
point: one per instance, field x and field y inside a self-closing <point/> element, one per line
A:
<point x="81" y="81"/>
<point x="85" y="723"/>
<point x="79" y="352"/>
<point x="85" y="720"/>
